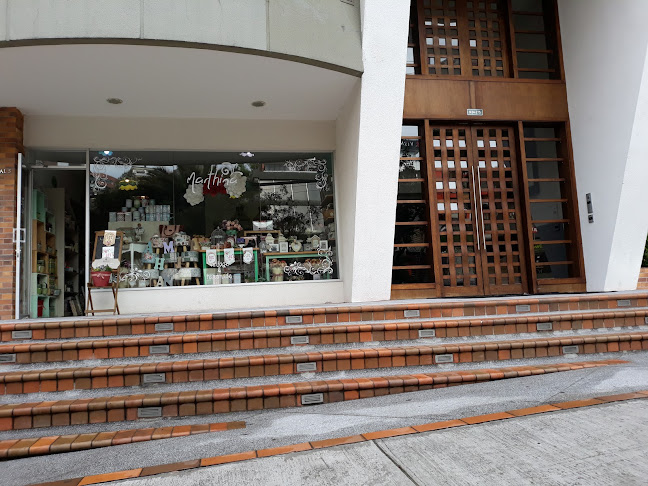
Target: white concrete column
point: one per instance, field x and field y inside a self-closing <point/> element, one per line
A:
<point x="368" y="141"/>
<point x="605" y="46"/>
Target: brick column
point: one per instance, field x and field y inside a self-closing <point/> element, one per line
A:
<point x="11" y="144"/>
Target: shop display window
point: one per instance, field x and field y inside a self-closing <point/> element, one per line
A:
<point x="195" y="218"/>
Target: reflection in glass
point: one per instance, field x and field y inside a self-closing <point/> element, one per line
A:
<point x="275" y="211"/>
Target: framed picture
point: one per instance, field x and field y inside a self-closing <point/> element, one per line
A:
<point x="273" y="248"/>
<point x="283" y="247"/>
<point x="323" y="245"/>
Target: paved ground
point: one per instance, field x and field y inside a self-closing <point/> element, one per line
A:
<point x="291" y="426"/>
<point x="603" y="445"/>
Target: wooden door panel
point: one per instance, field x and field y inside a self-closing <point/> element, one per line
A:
<point x="500" y="221"/>
<point x="454" y="190"/>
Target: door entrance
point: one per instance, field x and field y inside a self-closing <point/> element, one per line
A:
<point x="475" y="211"/>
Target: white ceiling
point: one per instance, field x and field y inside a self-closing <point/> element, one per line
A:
<point x="75" y="80"/>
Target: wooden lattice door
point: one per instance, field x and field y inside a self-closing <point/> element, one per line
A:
<point x="476" y="212"/>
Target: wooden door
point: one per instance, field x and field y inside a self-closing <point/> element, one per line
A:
<point x="499" y="207"/>
<point x="476" y="221"/>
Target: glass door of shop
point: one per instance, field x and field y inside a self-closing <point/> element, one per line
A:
<point x="476" y="211"/>
<point x="53" y="217"/>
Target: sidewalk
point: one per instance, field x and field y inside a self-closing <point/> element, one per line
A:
<point x="600" y="445"/>
<point x="283" y="427"/>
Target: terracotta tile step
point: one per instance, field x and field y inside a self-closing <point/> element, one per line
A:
<point x="55" y="444"/>
<point x="117" y="348"/>
<point x="35" y="381"/>
<point x="114" y="326"/>
<point x="206" y="402"/>
<point x="393" y="331"/>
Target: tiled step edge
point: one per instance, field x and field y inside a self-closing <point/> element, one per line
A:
<point x="338" y="441"/>
<point x="329" y="334"/>
<point x="51" y="380"/>
<point x="56" y="444"/>
<point x="52" y="329"/>
<point x="212" y="401"/>
<point x="56" y="351"/>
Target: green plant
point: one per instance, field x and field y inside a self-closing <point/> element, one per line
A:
<point x="101" y="268"/>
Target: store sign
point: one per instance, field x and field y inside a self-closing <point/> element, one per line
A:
<point x="6" y="170"/>
<point x="222" y="179"/>
<point x="474" y="112"/>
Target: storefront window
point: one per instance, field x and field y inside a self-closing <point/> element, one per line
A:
<point x="193" y="218"/>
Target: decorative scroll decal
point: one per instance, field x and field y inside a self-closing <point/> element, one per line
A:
<point x="322" y="266"/>
<point x="100" y="166"/>
<point x="135" y="275"/>
<point x="316" y="165"/>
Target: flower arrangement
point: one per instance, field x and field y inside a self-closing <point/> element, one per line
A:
<point x="231" y="225"/>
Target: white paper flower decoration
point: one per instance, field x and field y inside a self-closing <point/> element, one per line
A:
<point x="236" y="185"/>
<point x="196" y="196"/>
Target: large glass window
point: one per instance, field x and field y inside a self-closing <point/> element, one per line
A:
<point x="194" y="218"/>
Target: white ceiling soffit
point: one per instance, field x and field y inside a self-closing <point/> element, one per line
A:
<point x="170" y="82"/>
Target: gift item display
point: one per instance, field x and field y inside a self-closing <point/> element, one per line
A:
<point x="213" y="219"/>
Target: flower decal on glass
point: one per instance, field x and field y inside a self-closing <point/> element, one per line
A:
<point x="194" y="196"/>
<point x="236" y="185"/>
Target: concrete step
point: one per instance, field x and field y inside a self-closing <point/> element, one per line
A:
<point x="314" y="361"/>
<point x="69" y="328"/>
<point x="121" y="408"/>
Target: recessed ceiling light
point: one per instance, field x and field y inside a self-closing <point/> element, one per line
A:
<point x="115" y="101"/>
<point x="246" y="154"/>
<point x="258" y="104"/>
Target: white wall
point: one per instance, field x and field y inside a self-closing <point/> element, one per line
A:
<point x="326" y="31"/>
<point x="377" y="112"/>
<point x="177" y="134"/>
<point x="605" y="46"/>
<point x="209" y="298"/>
<point x="346" y="181"/>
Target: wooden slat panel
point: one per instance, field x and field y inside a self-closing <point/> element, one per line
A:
<point x="505" y="100"/>
<point x="436" y="98"/>
<point x="510" y="100"/>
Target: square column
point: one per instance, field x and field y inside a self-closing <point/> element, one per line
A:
<point x="11" y="144"/>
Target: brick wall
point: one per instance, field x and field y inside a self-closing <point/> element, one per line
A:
<point x="11" y="144"/>
<point x="643" y="279"/>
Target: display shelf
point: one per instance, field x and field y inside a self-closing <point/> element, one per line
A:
<point x="239" y="265"/>
<point x="292" y="255"/>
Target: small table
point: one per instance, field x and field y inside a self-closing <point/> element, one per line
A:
<point x="114" y="286"/>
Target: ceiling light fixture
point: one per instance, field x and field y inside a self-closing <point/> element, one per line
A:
<point x="246" y="154"/>
<point x="258" y="104"/>
<point x="114" y="101"/>
<point x="107" y="153"/>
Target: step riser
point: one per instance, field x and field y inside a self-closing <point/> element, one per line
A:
<point x="267" y="339"/>
<point x="243" y="320"/>
<point x="273" y="365"/>
<point x="207" y="402"/>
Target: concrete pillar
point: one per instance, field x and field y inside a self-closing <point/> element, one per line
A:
<point x="368" y="139"/>
<point x="605" y="46"/>
<point x="11" y="144"/>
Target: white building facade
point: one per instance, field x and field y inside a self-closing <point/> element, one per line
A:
<point x="284" y="92"/>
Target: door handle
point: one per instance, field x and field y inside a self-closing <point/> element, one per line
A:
<point x="481" y="207"/>
<point x="475" y="208"/>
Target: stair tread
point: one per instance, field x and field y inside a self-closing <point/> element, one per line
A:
<point x="117" y="394"/>
<point x="319" y="348"/>
<point x="546" y="317"/>
<point x="357" y="307"/>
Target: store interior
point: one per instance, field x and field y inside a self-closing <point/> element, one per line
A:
<point x="183" y="219"/>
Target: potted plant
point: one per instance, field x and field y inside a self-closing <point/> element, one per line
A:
<point x="100" y="275"/>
